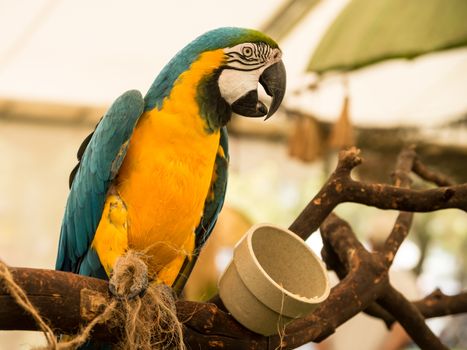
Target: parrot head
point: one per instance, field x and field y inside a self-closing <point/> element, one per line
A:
<point x="245" y="58"/>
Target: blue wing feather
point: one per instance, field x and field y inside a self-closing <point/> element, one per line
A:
<point x="98" y="167"/>
<point x="212" y="207"/>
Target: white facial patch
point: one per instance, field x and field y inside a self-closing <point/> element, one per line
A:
<point x="233" y="83"/>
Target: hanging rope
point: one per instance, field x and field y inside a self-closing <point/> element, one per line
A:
<point x="148" y="322"/>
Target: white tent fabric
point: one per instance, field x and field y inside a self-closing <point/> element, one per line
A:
<point x="428" y="91"/>
<point x="92" y="51"/>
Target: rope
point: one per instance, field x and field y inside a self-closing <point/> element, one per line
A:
<point x="148" y="322"/>
<point x="22" y="300"/>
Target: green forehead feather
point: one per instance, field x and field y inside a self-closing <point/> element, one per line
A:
<point x="212" y="40"/>
<point x="247" y="35"/>
<point x="227" y="37"/>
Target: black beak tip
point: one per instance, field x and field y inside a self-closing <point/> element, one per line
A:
<point x="273" y="81"/>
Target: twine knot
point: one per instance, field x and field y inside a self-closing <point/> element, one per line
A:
<point x="147" y="321"/>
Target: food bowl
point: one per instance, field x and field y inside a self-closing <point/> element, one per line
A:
<point x="273" y="278"/>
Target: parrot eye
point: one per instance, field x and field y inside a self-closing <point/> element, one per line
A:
<point x="247" y="51"/>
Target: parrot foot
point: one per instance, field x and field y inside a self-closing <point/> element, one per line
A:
<point x="129" y="277"/>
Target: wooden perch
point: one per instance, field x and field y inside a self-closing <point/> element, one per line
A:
<point x="341" y="188"/>
<point x="69" y="301"/>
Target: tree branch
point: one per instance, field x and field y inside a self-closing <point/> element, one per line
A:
<point x="342" y="188"/>
<point x="439" y="304"/>
<point x="69" y="301"/>
<point x="344" y="261"/>
<point x="404" y="165"/>
<point x="436" y="304"/>
<point x="429" y="175"/>
<point x="396" y="237"/>
<point x="410" y="318"/>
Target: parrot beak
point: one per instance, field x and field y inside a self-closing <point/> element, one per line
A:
<point x="273" y="81"/>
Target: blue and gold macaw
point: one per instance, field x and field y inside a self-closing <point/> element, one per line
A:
<point x="152" y="176"/>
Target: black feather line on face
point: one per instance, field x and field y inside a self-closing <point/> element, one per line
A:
<point x="237" y="56"/>
<point x="245" y="63"/>
<point x="256" y="50"/>
<point x="245" y="69"/>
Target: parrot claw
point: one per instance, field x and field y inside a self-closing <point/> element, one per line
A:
<point x="129" y="278"/>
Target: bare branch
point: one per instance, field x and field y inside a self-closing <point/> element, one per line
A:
<point x="345" y="254"/>
<point x="435" y="304"/>
<point x="342" y="188"/>
<point x="329" y="197"/>
<point x="439" y="304"/>
<point x="404" y="166"/>
<point x="69" y="301"/>
<point x="410" y="318"/>
<point x="429" y="175"/>
<point x="391" y="197"/>
<point x="396" y="237"/>
<point x="401" y="228"/>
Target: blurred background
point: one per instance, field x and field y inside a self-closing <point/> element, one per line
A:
<point x="376" y="74"/>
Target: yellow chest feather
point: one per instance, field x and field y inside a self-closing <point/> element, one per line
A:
<point x="165" y="180"/>
<point x="165" y="177"/>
